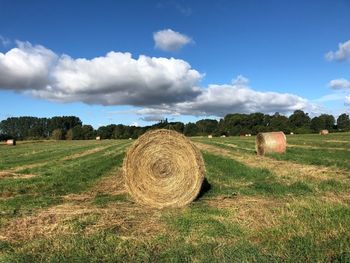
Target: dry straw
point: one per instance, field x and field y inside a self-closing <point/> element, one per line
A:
<point x="163" y="169"/>
<point x="11" y="142"/>
<point x="268" y="142"/>
<point x="324" y="132"/>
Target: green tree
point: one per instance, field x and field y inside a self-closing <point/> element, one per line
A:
<point x="191" y="129"/>
<point x="279" y="123"/>
<point x="87" y="132"/>
<point x="207" y="126"/>
<point x="317" y="124"/>
<point x="343" y="122"/>
<point x="57" y="134"/>
<point x="328" y="121"/>
<point x="300" y="122"/>
<point x="69" y="134"/>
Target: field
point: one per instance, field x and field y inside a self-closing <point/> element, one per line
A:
<point x="65" y="201"/>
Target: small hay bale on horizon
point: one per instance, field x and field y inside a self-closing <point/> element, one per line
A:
<point x="98" y="138"/>
<point x="210" y="136"/>
<point x="324" y="132"/>
<point x="163" y="168"/>
<point x="11" y="142"/>
<point x="269" y="142"/>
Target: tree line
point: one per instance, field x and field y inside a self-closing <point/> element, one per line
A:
<point x="72" y="128"/>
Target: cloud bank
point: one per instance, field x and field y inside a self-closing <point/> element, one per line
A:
<point x="169" y="40"/>
<point x="160" y="86"/>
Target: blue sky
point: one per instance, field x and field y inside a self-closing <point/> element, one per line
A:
<point x="229" y="56"/>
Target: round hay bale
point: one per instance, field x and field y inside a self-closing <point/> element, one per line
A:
<point x="210" y="136"/>
<point x="11" y="142"/>
<point x="324" y="132"/>
<point x="163" y="169"/>
<point x="267" y="142"/>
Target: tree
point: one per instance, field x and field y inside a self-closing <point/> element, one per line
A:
<point x="300" y="122"/>
<point x="328" y="121"/>
<point x="317" y="124"/>
<point x="191" y="129"/>
<point x="279" y="123"/>
<point x="57" y="134"/>
<point x="343" y="122"/>
<point x="207" y="126"/>
<point x="87" y="132"/>
<point x="69" y="134"/>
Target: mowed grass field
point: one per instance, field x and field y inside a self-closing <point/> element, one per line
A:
<point x="65" y="202"/>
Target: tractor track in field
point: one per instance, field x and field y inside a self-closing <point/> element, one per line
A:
<point x="280" y="168"/>
<point x="15" y="172"/>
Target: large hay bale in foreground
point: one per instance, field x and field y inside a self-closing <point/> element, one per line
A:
<point x="163" y="169"/>
<point x="267" y="142"/>
<point x="11" y="142"/>
<point x="324" y="132"/>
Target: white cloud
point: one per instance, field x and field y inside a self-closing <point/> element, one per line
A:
<point x="4" y="41"/>
<point x="331" y="97"/>
<point x="152" y="118"/>
<point x="347" y="100"/>
<point x="339" y="84"/>
<point x="169" y="40"/>
<point x="114" y="79"/>
<point x="343" y="52"/>
<point x="240" y="81"/>
<point x="160" y="86"/>
<point x="219" y="100"/>
<point x="26" y="67"/>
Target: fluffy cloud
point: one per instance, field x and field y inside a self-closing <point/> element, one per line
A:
<point x="339" y="84"/>
<point x="347" y="100"/>
<point x="218" y="100"/>
<point x="26" y="67"/>
<point x="115" y="79"/>
<point x="160" y="86"/>
<point x="169" y="40"/>
<point x="343" y="52"/>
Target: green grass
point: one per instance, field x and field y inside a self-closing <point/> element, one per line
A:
<point x="249" y="214"/>
<point x="333" y="149"/>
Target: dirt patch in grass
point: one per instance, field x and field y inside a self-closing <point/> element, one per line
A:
<point x="10" y="174"/>
<point x="78" y="214"/>
<point x="340" y="141"/>
<point x="253" y="213"/>
<point x="82" y="154"/>
<point x="126" y="219"/>
<point x="291" y="171"/>
<point x="317" y="147"/>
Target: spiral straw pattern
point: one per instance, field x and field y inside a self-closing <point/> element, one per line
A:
<point x="163" y="169"/>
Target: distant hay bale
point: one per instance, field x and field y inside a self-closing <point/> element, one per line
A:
<point x="324" y="132"/>
<point x="267" y="142"/>
<point x="223" y="136"/>
<point x="163" y="169"/>
<point x="291" y="133"/>
<point x="11" y="142"/>
<point x="130" y="139"/>
<point x="98" y="138"/>
<point x="210" y="136"/>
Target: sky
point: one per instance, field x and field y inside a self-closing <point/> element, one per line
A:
<point x="137" y="62"/>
